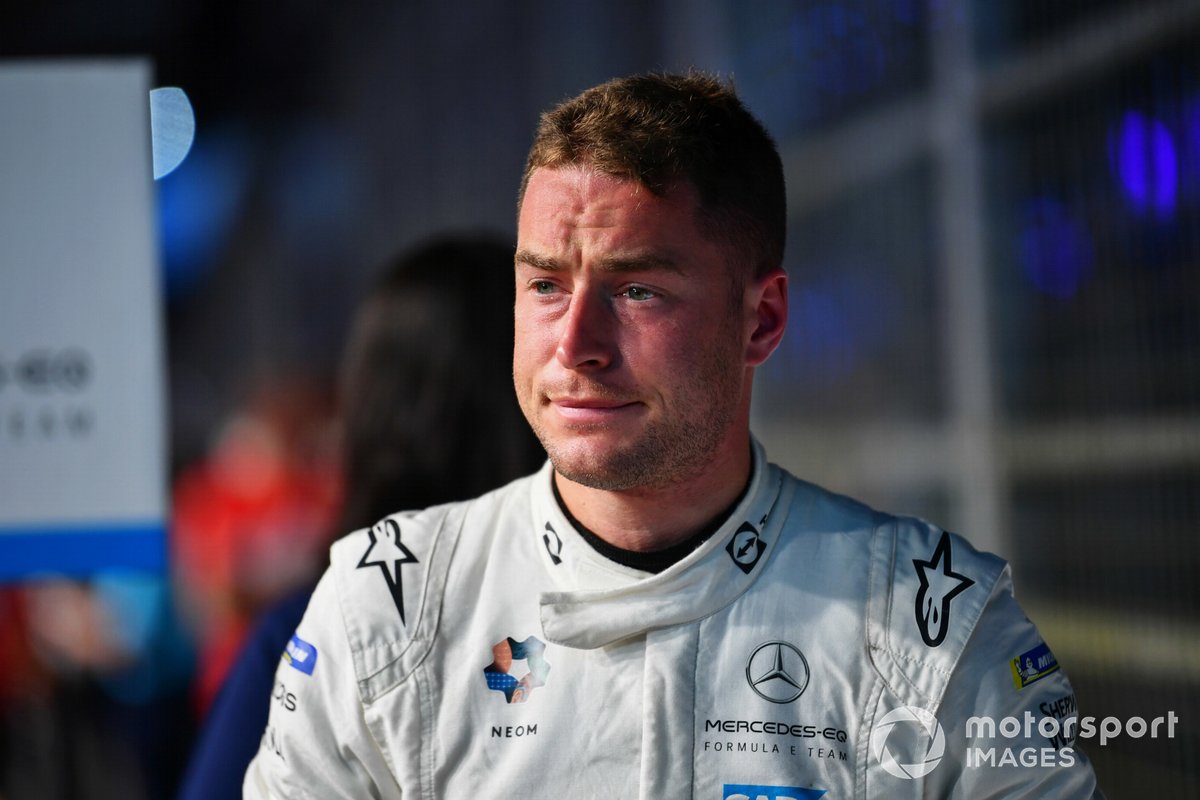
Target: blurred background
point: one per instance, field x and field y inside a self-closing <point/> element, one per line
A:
<point x="995" y="286"/>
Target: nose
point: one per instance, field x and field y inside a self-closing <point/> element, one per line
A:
<point x="587" y="337"/>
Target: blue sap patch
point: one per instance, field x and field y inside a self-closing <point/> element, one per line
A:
<point x="1033" y="665"/>
<point x="300" y="655"/>
<point x="746" y="791"/>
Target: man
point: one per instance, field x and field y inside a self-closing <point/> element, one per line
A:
<point x="659" y="612"/>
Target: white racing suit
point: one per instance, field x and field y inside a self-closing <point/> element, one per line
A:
<point x="811" y="647"/>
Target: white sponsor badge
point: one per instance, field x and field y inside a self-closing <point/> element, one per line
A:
<point x="82" y="429"/>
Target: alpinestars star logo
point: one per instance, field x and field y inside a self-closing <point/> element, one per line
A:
<point x="387" y="552"/>
<point x="777" y="671"/>
<point x="939" y="585"/>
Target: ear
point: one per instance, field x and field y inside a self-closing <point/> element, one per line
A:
<point x="767" y="312"/>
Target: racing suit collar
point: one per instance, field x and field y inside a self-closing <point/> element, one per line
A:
<point x="600" y="601"/>
<point x="658" y="560"/>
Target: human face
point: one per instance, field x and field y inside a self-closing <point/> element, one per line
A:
<point x="629" y="358"/>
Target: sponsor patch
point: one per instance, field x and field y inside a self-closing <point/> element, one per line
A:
<point x="754" y="791"/>
<point x="500" y="675"/>
<point x="1061" y="710"/>
<point x="300" y="655"/>
<point x="746" y="547"/>
<point x="777" y="672"/>
<point x="1033" y="665"/>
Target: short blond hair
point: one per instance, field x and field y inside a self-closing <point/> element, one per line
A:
<point x="659" y="129"/>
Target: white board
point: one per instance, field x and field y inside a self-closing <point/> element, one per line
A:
<point x="82" y="391"/>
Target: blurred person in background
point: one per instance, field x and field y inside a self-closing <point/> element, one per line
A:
<point x="250" y="520"/>
<point x="427" y="416"/>
<point x="93" y="689"/>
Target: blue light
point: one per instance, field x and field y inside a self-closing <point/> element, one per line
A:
<point x="837" y="320"/>
<point x="1055" y="250"/>
<point x="1145" y="161"/>
<point x="824" y="334"/>
<point x="906" y="12"/>
<point x="199" y="206"/>
<point x="839" y="44"/>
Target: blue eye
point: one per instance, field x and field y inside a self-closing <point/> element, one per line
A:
<point x="544" y="287"/>
<point x="640" y="293"/>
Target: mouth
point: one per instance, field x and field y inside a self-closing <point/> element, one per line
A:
<point x="585" y="410"/>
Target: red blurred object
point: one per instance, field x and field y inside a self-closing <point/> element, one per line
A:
<point x="252" y="521"/>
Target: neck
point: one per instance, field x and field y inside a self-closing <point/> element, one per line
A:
<point x="651" y="519"/>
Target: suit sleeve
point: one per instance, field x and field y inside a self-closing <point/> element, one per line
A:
<point x="1005" y="711"/>
<point x="316" y="744"/>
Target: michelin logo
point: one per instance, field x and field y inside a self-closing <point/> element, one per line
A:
<point x="1033" y="665"/>
<point x="301" y="655"/>
<point x="745" y="791"/>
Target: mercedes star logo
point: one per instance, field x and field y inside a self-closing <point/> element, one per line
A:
<point x="777" y="671"/>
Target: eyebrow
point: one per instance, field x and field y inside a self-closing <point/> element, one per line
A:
<point x="532" y="259"/>
<point x="637" y="262"/>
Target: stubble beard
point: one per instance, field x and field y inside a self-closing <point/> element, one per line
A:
<point x="668" y="451"/>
